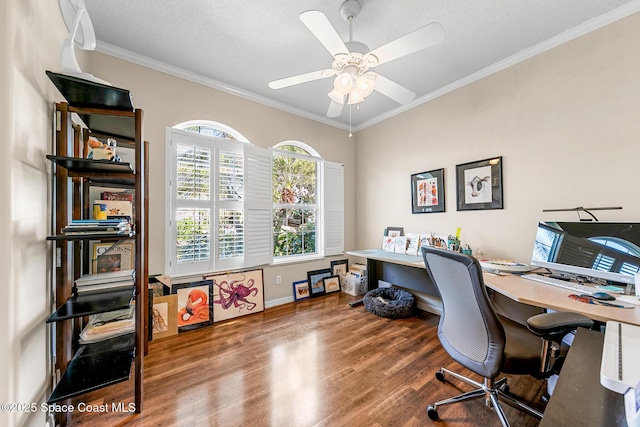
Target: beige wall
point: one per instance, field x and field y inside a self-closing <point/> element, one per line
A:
<point x="32" y="34"/>
<point x="168" y="100"/>
<point x="565" y="122"/>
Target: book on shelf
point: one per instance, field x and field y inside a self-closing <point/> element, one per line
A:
<point x="106" y="277"/>
<point x="114" y="226"/>
<point x="115" y="195"/>
<point x="115" y="208"/>
<point x="102" y="287"/>
<point x="112" y="256"/>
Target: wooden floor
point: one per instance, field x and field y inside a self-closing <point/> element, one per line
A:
<point x="317" y="362"/>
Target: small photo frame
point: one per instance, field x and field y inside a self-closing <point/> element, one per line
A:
<point x="316" y="284"/>
<point x="300" y="290"/>
<point x="331" y="284"/>
<point x="427" y="192"/>
<point x="195" y="309"/>
<point x="164" y="316"/>
<point x="479" y="184"/>
<point x="394" y="231"/>
<point x="340" y="267"/>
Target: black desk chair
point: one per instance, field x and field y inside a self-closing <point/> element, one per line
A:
<point x="487" y="344"/>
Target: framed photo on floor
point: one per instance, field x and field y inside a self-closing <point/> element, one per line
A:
<point x="300" y="290"/>
<point x="427" y="192"/>
<point x="316" y="284"/>
<point x="194" y="304"/>
<point x="479" y="184"/>
<point x="237" y="294"/>
<point x="164" y="316"/>
<point x="331" y="284"/>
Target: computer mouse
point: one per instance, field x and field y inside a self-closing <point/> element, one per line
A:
<point x="603" y="296"/>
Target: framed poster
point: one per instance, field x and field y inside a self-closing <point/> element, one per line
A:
<point x="394" y="231"/>
<point x="300" y="290"/>
<point x="194" y="304"/>
<point x="331" y="284"/>
<point x="237" y="294"/>
<point x="112" y="256"/>
<point x="164" y="316"/>
<point x="427" y="192"/>
<point x="479" y="184"/>
<point x="316" y="285"/>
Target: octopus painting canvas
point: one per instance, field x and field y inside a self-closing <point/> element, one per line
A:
<point x="237" y="294"/>
<point x="194" y="304"/>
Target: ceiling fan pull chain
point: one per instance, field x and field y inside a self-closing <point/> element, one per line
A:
<point x="350" y="134"/>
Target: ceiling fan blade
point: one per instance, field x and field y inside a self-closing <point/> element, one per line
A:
<point x="320" y="26"/>
<point x="301" y="78"/>
<point x="393" y="90"/>
<point x="335" y="109"/>
<point x="422" y="38"/>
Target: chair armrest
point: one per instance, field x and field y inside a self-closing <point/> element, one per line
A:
<point x="548" y="325"/>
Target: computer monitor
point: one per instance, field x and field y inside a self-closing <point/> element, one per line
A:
<point x="604" y="250"/>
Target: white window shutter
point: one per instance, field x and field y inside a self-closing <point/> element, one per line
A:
<point x="333" y="208"/>
<point x="258" y="248"/>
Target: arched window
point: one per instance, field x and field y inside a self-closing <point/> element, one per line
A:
<point x="211" y="128"/>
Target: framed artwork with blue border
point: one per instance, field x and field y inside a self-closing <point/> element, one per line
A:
<point x="300" y="290"/>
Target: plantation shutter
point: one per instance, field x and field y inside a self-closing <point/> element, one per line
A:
<point x="191" y="184"/>
<point x="258" y="207"/>
<point x="333" y="174"/>
<point x="230" y="196"/>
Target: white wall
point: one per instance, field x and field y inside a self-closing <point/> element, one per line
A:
<point x="168" y="100"/>
<point x="565" y="123"/>
<point x="32" y="34"/>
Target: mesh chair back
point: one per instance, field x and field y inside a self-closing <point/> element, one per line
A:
<point x="469" y="329"/>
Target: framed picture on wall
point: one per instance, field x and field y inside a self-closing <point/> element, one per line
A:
<point x="427" y="192"/>
<point x="195" y="309"/>
<point x="479" y="184"/>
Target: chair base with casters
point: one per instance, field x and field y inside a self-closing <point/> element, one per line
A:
<point x="489" y="345"/>
<point x="491" y="390"/>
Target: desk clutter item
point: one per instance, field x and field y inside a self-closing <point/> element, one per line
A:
<point x="505" y="265"/>
<point x="565" y="284"/>
<point x="620" y="369"/>
<point x="391" y="303"/>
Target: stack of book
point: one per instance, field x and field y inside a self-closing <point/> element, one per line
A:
<point x="97" y="226"/>
<point x="109" y="281"/>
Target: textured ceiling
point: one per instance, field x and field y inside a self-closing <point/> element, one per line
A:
<point x="240" y="46"/>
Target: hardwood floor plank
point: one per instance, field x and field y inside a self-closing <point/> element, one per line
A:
<point x="317" y="362"/>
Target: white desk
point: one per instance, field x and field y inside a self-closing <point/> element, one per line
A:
<point x="408" y="272"/>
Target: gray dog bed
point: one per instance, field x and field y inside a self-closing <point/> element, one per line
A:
<point x="391" y="303"/>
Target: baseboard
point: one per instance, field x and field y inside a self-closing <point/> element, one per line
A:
<point x="277" y="302"/>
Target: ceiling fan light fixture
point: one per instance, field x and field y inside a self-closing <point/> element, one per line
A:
<point x="343" y="83"/>
<point x="355" y="96"/>
<point x="365" y="84"/>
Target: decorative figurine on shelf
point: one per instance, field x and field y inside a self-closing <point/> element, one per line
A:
<point x="101" y="151"/>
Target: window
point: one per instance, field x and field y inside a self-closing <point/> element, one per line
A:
<point x="234" y="205"/>
<point x="295" y="201"/>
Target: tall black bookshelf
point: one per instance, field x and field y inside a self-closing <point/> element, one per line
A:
<point x="101" y="111"/>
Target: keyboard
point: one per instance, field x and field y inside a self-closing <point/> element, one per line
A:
<point x="572" y="286"/>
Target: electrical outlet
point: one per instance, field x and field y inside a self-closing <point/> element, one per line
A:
<point x="278" y="280"/>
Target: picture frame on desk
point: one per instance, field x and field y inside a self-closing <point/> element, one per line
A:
<point x="427" y="192"/>
<point x="394" y="231"/>
<point x="479" y="185"/>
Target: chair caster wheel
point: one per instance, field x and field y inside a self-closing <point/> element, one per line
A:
<point x="432" y="413"/>
<point x="440" y="376"/>
<point x="505" y="389"/>
<point x="545" y="398"/>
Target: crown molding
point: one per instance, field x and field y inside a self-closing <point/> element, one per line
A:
<point x="571" y="34"/>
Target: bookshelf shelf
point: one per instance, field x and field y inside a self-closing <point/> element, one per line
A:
<point x="86" y="304"/>
<point x="92" y="236"/>
<point x="95" y="366"/>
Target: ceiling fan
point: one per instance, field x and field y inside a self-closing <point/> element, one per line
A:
<point x="352" y="61"/>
